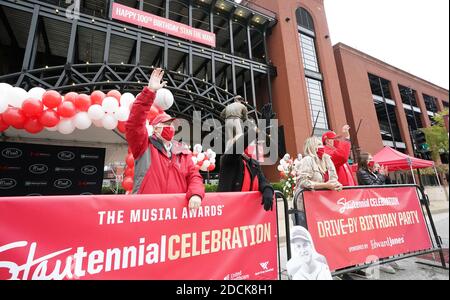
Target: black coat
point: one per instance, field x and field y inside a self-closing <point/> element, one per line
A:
<point x="365" y="177"/>
<point x="231" y="175"/>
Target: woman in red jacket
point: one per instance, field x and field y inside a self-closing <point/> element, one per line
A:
<point x="162" y="165"/>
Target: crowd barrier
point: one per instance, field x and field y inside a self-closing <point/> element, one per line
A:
<point x="230" y="238"/>
<point x="362" y="227"/>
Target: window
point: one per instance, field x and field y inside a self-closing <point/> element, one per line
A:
<point x="317" y="103"/>
<point x="304" y="19"/>
<point x="412" y="111"/>
<point x="382" y="90"/>
<point x="313" y="76"/>
<point x="445" y="103"/>
<point x="430" y="103"/>
<point x="409" y="96"/>
<point x="386" y="113"/>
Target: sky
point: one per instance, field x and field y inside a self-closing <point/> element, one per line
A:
<point x="412" y="35"/>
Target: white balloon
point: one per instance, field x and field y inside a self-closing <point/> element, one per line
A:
<point x="164" y="99"/>
<point x="96" y="112"/>
<point x="109" y="122"/>
<point x="287" y="157"/>
<point x="201" y="156"/>
<point x="16" y="97"/>
<point x="122" y="114"/>
<point x="206" y="164"/>
<point x="82" y="121"/>
<point x="198" y="148"/>
<point x="3" y="104"/>
<point x="52" y="128"/>
<point x="66" y="126"/>
<point x="194" y="160"/>
<point x="110" y="105"/>
<point x="212" y="160"/>
<point x="4" y="85"/>
<point x="126" y="100"/>
<point x="36" y="93"/>
<point x="98" y="123"/>
<point x="212" y="155"/>
<point x="280" y="168"/>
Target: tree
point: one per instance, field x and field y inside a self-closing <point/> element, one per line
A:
<point x="437" y="136"/>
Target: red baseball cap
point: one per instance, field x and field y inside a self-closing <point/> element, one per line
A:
<point x="330" y="135"/>
<point x="161" y="118"/>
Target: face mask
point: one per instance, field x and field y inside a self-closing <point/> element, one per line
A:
<point x="320" y="151"/>
<point x="168" y="133"/>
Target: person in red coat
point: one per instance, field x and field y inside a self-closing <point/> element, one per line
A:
<point x="162" y="165"/>
<point x="339" y="150"/>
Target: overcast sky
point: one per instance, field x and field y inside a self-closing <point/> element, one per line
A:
<point x="412" y="35"/>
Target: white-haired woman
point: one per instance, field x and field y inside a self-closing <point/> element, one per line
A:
<point x="316" y="172"/>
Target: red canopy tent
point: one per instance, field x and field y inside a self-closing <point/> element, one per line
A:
<point x="395" y="161"/>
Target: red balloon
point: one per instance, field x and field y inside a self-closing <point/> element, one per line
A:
<point x="97" y="97"/>
<point x="14" y="117"/>
<point x="32" y="108"/>
<point x="129" y="172"/>
<point x="121" y="127"/>
<point x="51" y="99"/>
<point x="115" y="94"/>
<point x="83" y="102"/>
<point x="33" y="126"/>
<point x="67" y="109"/>
<point x="154" y="111"/>
<point x="71" y="97"/>
<point x="128" y="184"/>
<point x="49" y="118"/>
<point x="130" y="160"/>
<point x="3" y="125"/>
<point x="211" y="167"/>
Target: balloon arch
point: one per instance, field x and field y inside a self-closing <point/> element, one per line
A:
<point x="67" y="107"/>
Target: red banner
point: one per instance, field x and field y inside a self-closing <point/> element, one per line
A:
<point x="140" y="18"/>
<point x="137" y="237"/>
<point x="362" y="225"/>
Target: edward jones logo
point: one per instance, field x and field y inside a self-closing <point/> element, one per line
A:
<point x="7" y="183"/>
<point x="38" y="169"/>
<point x="66" y="155"/>
<point x="11" y="153"/>
<point x="89" y="170"/>
<point x="62" y="183"/>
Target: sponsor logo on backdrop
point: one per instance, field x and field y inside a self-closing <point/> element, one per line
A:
<point x="59" y="169"/>
<point x="7" y="183"/>
<point x="36" y="183"/>
<point x="11" y="153"/>
<point x="39" y="154"/>
<point x="237" y="276"/>
<point x="86" y="183"/>
<point x="66" y="155"/>
<point x="89" y="170"/>
<point x="9" y="168"/>
<point x="88" y="156"/>
<point x="38" y="169"/>
<point x="62" y="183"/>
<point x="264" y="267"/>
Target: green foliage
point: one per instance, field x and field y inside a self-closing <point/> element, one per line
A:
<point x="437" y="136"/>
<point x="278" y="186"/>
<point x="108" y="191"/>
<point x="211" y="188"/>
